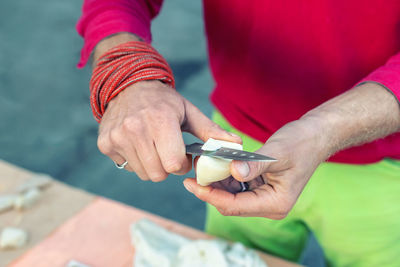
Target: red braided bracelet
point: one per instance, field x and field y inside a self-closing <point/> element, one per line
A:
<point x="122" y="66"/>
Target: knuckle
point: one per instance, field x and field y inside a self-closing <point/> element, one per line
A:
<point x="173" y="166"/>
<point x="200" y="194"/>
<point x="158" y="176"/>
<point x="140" y="172"/>
<point x="212" y="130"/>
<point x="142" y="177"/>
<point x="116" y="136"/>
<point x="282" y="212"/>
<point x="209" y="131"/>
<point x="222" y="211"/>
<point x="229" y="212"/>
<point x="104" y="145"/>
<point x="279" y="216"/>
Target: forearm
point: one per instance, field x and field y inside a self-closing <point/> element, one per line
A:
<point x="102" y="18"/>
<point x="361" y="115"/>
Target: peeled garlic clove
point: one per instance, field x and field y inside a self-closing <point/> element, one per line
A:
<point x="27" y="199"/>
<point x="12" y="238"/>
<point x="209" y="169"/>
<point x="7" y="202"/>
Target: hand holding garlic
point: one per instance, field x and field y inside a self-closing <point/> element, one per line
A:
<point x="274" y="186"/>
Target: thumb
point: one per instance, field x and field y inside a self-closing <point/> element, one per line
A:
<point x="203" y="128"/>
<point x="245" y="171"/>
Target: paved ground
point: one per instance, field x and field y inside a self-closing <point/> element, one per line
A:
<point x="46" y="122"/>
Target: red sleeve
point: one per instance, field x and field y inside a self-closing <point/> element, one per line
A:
<point x="101" y="18"/>
<point x="388" y="75"/>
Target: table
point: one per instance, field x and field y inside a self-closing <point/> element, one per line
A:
<point x="68" y="223"/>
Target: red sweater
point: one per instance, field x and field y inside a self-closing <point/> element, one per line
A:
<point x="275" y="60"/>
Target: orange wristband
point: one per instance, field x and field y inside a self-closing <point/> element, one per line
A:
<point x="123" y="66"/>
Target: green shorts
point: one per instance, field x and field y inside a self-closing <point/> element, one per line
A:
<point x="353" y="210"/>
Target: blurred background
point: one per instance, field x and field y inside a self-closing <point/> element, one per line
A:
<point x="45" y="117"/>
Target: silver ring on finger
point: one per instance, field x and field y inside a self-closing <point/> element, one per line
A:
<point x="122" y="165"/>
<point x="245" y="186"/>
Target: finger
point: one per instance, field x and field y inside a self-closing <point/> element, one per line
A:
<point x="202" y="127"/>
<point x="148" y="156"/>
<point x="171" y="148"/>
<point x="244" y="171"/>
<point x="119" y="160"/>
<point x="134" y="165"/>
<point x="117" y="146"/>
<point x="107" y="148"/>
<point x="257" y="182"/>
<point x="229" y="184"/>
<point x="249" y="203"/>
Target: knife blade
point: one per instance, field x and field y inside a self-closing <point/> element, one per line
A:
<point x="226" y="153"/>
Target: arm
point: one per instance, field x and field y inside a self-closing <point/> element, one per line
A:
<point x="367" y="112"/>
<point x="143" y="124"/>
<point x="103" y="18"/>
<point x="361" y="115"/>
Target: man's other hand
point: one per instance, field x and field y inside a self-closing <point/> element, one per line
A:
<point x="273" y="187"/>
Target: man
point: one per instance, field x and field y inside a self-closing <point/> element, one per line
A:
<point x="297" y="81"/>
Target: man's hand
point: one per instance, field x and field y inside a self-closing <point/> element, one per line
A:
<point x="273" y="187"/>
<point x="143" y="125"/>
<point x="360" y="115"/>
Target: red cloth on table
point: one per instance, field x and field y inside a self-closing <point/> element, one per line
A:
<point x="275" y="60"/>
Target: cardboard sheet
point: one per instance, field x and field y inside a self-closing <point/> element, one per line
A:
<point x="68" y="223"/>
<point x="58" y="203"/>
<point x="99" y="236"/>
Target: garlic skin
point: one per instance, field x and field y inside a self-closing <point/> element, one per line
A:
<point x="37" y="180"/>
<point x="156" y="246"/>
<point x="7" y="202"/>
<point x="12" y="238"/>
<point x="27" y="199"/>
<point x="203" y="253"/>
<point x="209" y="169"/>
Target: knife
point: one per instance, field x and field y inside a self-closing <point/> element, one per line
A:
<point x="226" y="153"/>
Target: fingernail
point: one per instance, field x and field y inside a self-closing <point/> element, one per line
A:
<point x="188" y="187"/>
<point x="242" y="168"/>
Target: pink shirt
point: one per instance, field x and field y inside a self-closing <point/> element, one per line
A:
<point x="275" y="60"/>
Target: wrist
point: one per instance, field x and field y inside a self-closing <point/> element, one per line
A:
<point x="111" y="41"/>
<point x="318" y="129"/>
<point x="122" y="66"/>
